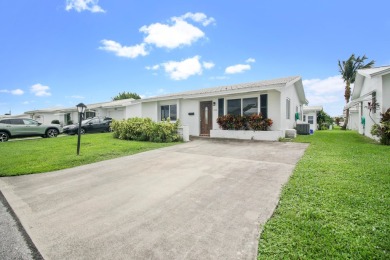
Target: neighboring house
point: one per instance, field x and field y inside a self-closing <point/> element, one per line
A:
<point x="370" y="97"/>
<point x="278" y="99"/>
<point x="113" y="109"/>
<point x="310" y="116"/>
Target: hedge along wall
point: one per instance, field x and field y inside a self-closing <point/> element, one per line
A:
<point x="252" y="122"/>
<point x="144" y="129"/>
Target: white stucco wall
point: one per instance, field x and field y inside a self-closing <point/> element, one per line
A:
<point x="369" y="85"/>
<point x="192" y="121"/>
<point x="149" y="109"/>
<point x="313" y="126"/>
<point x="386" y="92"/>
<point x="354" y="120"/>
<point x="134" y="110"/>
<point x="289" y="92"/>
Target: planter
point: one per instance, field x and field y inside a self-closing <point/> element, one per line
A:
<point x="247" y="134"/>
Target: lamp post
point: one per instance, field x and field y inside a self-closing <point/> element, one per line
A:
<point x="81" y="109"/>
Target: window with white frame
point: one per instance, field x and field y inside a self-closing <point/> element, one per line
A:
<point x="169" y="111"/>
<point x="249" y="106"/>
<point x="234" y="107"/>
<point x="310" y="119"/>
<point x="288" y="110"/>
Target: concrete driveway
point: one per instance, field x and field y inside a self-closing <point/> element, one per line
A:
<point x="200" y="200"/>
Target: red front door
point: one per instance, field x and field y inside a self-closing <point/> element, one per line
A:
<point x="206" y="117"/>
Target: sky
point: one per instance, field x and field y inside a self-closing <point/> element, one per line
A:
<point x="58" y="53"/>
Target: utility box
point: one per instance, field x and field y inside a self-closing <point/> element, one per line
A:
<point x="303" y="129"/>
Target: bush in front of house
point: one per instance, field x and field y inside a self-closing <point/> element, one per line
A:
<point x="382" y="130"/>
<point x="55" y="122"/>
<point x="236" y="122"/>
<point x="144" y="129"/>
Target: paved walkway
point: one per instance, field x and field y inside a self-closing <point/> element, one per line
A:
<point x="199" y="200"/>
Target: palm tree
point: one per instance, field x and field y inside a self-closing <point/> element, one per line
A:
<point x="348" y="70"/>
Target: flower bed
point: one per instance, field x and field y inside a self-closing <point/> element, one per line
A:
<point x="253" y="127"/>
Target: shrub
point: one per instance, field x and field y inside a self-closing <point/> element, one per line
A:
<point x="144" y="129"/>
<point x="252" y="122"/>
<point x="55" y="121"/>
<point x="382" y="130"/>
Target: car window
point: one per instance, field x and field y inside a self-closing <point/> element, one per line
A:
<point x="5" y="121"/>
<point x="30" y="122"/>
<point x="95" y="121"/>
<point x="16" y="122"/>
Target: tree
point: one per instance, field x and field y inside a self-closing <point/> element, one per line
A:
<point x="126" y="95"/>
<point x="324" y="120"/>
<point x="348" y="71"/>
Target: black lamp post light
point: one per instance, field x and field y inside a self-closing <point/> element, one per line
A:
<point x="81" y="109"/>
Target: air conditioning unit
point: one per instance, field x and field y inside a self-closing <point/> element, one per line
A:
<point x="303" y="129"/>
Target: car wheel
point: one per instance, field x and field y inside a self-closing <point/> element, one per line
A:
<point x="4" y="136"/>
<point x="51" y="133"/>
<point x="82" y="131"/>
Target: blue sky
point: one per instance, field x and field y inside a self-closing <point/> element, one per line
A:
<point x="58" y="53"/>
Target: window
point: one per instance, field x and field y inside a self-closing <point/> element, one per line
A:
<point x="16" y="122"/>
<point x="234" y="107"/>
<point x="169" y="111"/>
<point x="29" y="122"/>
<point x="310" y="119"/>
<point x="249" y="106"/>
<point x="373" y="102"/>
<point x="221" y="106"/>
<point x="264" y="105"/>
<point x="90" y="114"/>
<point x="304" y="118"/>
<point x="172" y="112"/>
<point x="287" y="108"/>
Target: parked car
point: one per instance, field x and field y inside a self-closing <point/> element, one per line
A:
<point x="90" y="125"/>
<point x="25" y="127"/>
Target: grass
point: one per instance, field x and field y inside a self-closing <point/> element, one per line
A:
<point x="336" y="205"/>
<point x="50" y="154"/>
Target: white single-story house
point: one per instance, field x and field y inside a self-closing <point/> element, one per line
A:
<point x="278" y="99"/>
<point x="310" y="116"/>
<point x="370" y="97"/>
<point x="281" y="100"/>
<point x="113" y="109"/>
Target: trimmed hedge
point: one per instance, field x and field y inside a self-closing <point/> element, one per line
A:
<point x="252" y="122"/>
<point x="144" y="129"/>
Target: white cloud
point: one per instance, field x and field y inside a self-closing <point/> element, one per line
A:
<point x="171" y="36"/>
<point x="323" y="86"/>
<point x="328" y="92"/>
<point x="40" y="90"/>
<point x="179" y="70"/>
<point x="124" y="51"/>
<point x="239" y="68"/>
<point x="13" y="92"/>
<point x="250" y="60"/>
<point x="208" y="65"/>
<point x="84" y="5"/>
<point x="199" y="18"/>
<point x="154" y="67"/>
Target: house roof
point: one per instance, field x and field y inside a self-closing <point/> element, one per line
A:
<point x="110" y="104"/>
<point x="234" y="89"/>
<point x="307" y="109"/>
<point x="274" y="84"/>
<point x="369" y="73"/>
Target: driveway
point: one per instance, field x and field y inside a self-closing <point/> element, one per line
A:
<point x="200" y="200"/>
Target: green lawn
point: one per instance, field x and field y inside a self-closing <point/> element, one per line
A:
<point x="50" y="154"/>
<point x="336" y="204"/>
